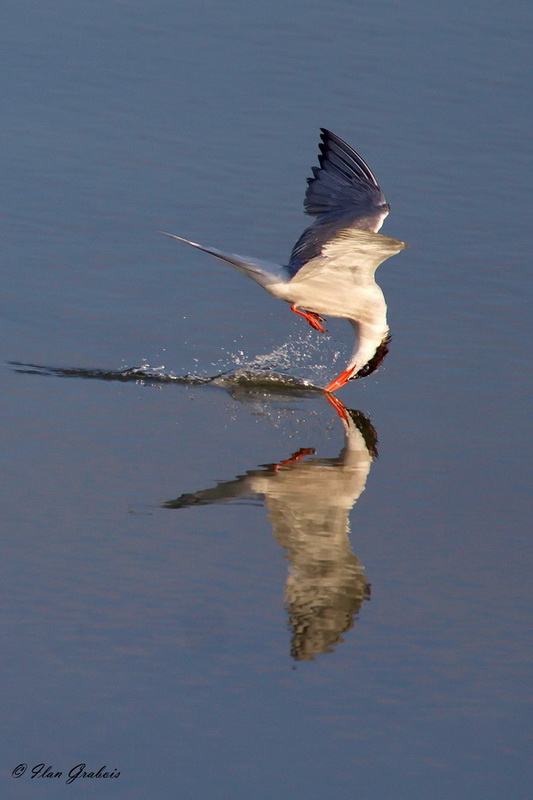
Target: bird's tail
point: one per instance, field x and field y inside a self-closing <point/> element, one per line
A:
<point x="263" y="272"/>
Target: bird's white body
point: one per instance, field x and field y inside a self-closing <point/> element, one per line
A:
<point x="332" y="266"/>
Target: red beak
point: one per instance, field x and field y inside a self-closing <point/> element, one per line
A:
<point x="340" y="381"/>
<point x="338" y="405"/>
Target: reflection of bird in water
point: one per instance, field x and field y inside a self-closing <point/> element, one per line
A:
<point x="309" y="500"/>
<point x="332" y="265"/>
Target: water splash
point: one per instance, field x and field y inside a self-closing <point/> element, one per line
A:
<point x="302" y="356"/>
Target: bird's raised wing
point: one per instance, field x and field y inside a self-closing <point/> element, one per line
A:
<point x="342" y="181"/>
<point x="342" y="193"/>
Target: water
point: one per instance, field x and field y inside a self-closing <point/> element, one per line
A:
<point x="211" y="583"/>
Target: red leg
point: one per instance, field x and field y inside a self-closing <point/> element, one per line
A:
<point x="313" y="319"/>
<point x="301" y="453"/>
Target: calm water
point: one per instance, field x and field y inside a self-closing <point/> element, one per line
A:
<point x="180" y="605"/>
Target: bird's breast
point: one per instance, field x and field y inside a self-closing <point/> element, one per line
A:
<point x="335" y="297"/>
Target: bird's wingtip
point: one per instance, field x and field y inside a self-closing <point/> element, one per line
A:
<point x="179" y="238"/>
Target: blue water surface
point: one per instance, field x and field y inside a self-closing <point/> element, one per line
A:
<point x="202" y="590"/>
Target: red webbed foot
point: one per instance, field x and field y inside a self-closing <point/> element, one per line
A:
<point x="312" y="318"/>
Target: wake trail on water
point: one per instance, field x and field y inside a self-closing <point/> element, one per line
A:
<point x="158" y="375"/>
<point x="266" y="371"/>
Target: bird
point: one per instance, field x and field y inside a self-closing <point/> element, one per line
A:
<point x="331" y="268"/>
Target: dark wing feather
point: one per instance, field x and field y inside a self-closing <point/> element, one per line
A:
<point x="342" y="181"/>
<point x="343" y="193"/>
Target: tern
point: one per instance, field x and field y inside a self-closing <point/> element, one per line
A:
<point x="332" y="265"/>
